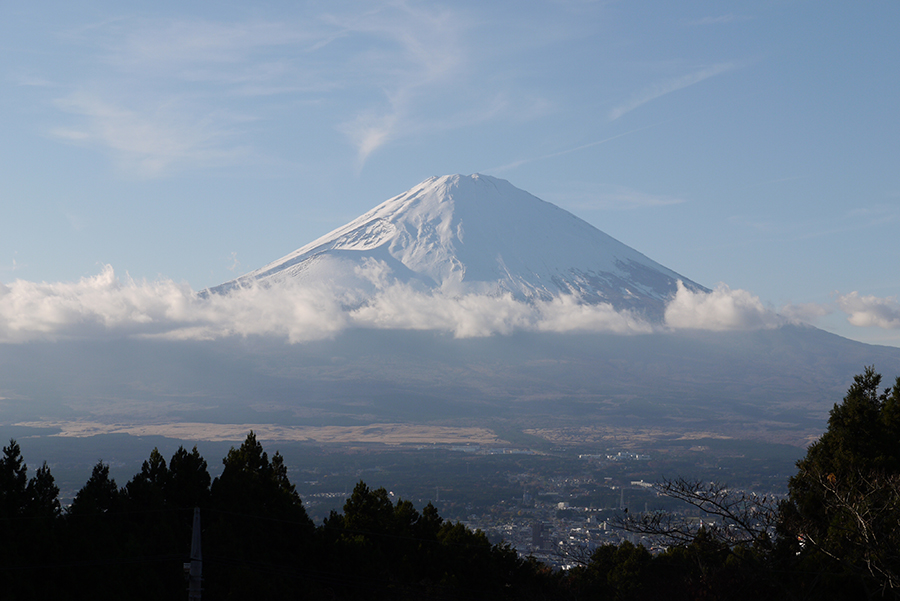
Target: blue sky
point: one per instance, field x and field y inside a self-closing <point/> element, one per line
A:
<point x="754" y="144"/>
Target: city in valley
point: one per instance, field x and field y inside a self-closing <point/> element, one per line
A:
<point x="557" y="504"/>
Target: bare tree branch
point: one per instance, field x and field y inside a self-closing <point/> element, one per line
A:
<point x="735" y="517"/>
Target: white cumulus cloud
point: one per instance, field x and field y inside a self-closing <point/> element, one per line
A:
<point x="722" y="309"/>
<point x="567" y="314"/>
<point x="106" y="305"/>
<point x="868" y="311"/>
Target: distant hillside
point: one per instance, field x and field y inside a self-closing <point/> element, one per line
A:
<point x="773" y="385"/>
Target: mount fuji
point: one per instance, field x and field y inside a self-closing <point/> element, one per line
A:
<point x="457" y="241"/>
<point x="457" y="235"/>
<point x="478" y="234"/>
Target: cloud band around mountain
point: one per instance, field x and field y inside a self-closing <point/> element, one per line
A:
<point x="105" y="306"/>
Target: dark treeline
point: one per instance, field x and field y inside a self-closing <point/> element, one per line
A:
<point x="837" y="535"/>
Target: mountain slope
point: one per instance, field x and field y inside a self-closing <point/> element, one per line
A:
<point x="775" y="385"/>
<point x="462" y="234"/>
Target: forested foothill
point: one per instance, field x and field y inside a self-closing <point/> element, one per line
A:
<point x="836" y="535"/>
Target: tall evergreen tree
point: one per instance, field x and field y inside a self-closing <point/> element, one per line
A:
<point x="99" y="494"/>
<point x="842" y="517"/>
<point x="43" y="494"/>
<point x="148" y="488"/>
<point x="189" y="480"/>
<point x="258" y="528"/>
<point x="13" y="481"/>
<point x="253" y="484"/>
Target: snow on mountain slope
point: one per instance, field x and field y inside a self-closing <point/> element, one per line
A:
<point x="477" y="234"/>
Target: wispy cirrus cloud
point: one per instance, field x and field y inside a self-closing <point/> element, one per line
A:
<point x="392" y="70"/>
<point x="410" y="52"/>
<point x="668" y="86"/>
<point x="825" y="225"/>
<point x="32" y="81"/>
<point x="617" y="198"/>
<point x="362" y="75"/>
<point x="192" y="49"/>
<point x="151" y="142"/>
<point x="160" y="96"/>
<point x="720" y="20"/>
<point x="560" y="153"/>
<point x="875" y="215"/>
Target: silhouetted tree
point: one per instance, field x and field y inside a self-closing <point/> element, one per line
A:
<point x="43" y="495"/>
<point x="188" y="481"/>
<point x="842" y="518"/>
<point x="387" y="550"/>
<point x="147" y="489"/>
<point x="13" y="481"/>
<point x="28" y="509"/>
<point x="99" y="494"/>
<point x="260" y="537"/>
<point x="252" y="484"/>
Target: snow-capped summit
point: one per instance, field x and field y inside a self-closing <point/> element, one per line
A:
<point x="481" y="234"/>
